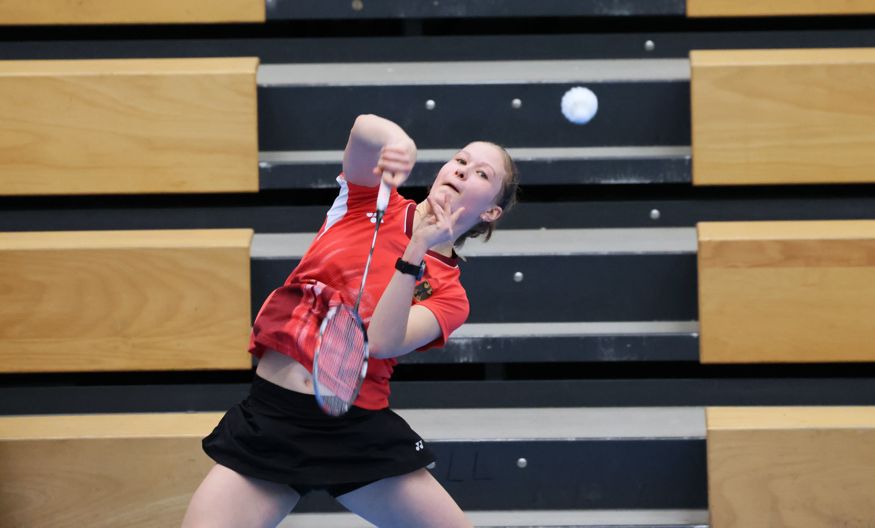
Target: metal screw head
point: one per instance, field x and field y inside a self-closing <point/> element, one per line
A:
<point x="430" y="104"/>
<point x="357" y="5"/>
<point x="655" y="214"/>
<point x="649" y="45"/>
<point x="518" y="276"/>
<point x="522" y="463"/>
<point x="516" y="104"/>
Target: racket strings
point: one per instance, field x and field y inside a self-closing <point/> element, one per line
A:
<point x="341" y="356"/>
<point x="340" y="361"/>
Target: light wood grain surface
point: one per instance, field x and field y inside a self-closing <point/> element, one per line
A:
<point x="132" y="470"/>
<point x="799" y="468"/>
<point x="758" y="8"/>
<point x="128" y="126"/>
<point x="772" y="292"/>
<point x="70" y="12"/>
<point x="783" y="116"/>
<point x="124" y="300"/>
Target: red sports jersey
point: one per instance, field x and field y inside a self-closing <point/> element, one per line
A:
<point x="331" y="271"/>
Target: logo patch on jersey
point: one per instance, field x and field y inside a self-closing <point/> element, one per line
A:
<point x="373" y="218"/>
<point x="422" y="291"/>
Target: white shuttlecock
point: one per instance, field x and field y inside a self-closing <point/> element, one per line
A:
<point x="579" y="105"/>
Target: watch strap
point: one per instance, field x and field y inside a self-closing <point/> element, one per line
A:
<point x="410" y="269"/>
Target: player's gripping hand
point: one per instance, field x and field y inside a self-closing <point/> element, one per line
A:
<point x="395" y="162"/>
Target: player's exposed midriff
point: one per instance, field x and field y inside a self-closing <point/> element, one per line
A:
<point x="285" y="371"/>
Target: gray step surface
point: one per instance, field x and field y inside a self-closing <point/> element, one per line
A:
<point x="547" y="518"/>
<point x="524" y="242"/>
<point x="452" y="425"/>
<point x="473" y="72"/>
<point x="465" y="9"/>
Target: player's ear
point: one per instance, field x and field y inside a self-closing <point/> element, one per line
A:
<point x="492" y="214"/>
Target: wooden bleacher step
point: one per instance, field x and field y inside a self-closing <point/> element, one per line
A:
<point x="804" y="467"/>
<point x="97" y="301"/>
<point x="787" y="292"/>
<point x="129" y="126"/>
<point x="94" y="12"/>
<point x="782" y="117"/>
<point x="775" y="8"/>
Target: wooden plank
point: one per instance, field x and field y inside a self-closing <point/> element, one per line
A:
<point x="797" y="292"/>
<point x="758" y="8"/>
<point x="67" y="12"/>
<point x="137" y="470"/>
<point x="801" y="467"/>
<point x="782" y="116"/>
<point x="128" y="126"/>
<point x="124" y="300"/>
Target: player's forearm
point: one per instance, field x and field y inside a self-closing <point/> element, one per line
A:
<point x="377" y="131"/>
<point x="364" y="151"/>
<point x="388" y="329"/>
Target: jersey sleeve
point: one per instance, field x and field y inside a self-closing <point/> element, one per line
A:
<point x="449" y="304"/>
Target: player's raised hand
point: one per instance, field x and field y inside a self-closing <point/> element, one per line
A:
<point x="439" y="226"/>
<point x="395" y="162"/>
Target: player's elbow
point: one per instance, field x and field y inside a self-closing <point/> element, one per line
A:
<point x="364" y="124"/>
<point x="361" y="120"/>
<point x="383" y="350"/>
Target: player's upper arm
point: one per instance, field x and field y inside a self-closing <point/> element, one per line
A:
<point x="362" y="152"/>
<point x="366" y="139"/>
<point x="422" y="329"/>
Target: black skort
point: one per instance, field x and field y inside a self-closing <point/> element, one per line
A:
<point x="282" y="436"/>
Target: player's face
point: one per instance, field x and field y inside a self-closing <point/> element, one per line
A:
<point x="472" y="179"/>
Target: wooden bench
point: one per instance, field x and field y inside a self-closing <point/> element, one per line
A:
<point x="88" y="12"/>
<point x="101" y="470"/>
<point x="757" y="8"/>
<point x="797" y="292"/>
<point x="791" y="466"/>
<point x="124" y="300"/>
<point x="128" y="126"/>
<point x="782" y="116"/>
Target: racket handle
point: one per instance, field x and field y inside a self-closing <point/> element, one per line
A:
<point x="383" y="196"/>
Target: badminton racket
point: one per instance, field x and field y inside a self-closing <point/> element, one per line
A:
<point x="340" y="362"/>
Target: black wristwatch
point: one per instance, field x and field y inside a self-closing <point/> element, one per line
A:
<point x="411" y="269"/>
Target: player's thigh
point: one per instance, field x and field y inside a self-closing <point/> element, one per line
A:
<point x="226" y="498"/>
<point x="412" y="500"/>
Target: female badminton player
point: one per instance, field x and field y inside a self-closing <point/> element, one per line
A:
<point x="277" y="444"/>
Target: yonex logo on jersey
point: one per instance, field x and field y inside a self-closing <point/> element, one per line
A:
<point x="419" y="446"/>
<point x="373" y="218"/>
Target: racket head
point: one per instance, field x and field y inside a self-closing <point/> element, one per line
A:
<point x="340" y="361"/>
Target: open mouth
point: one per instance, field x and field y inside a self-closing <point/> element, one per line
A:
<point x="453" y="187"/>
